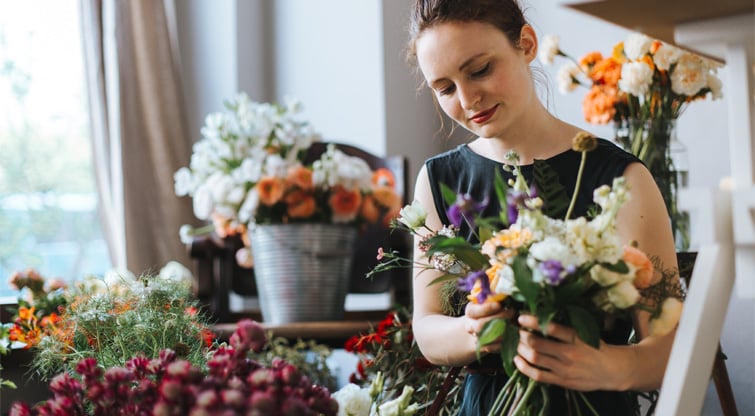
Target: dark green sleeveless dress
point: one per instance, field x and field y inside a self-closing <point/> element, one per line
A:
<point x="470" y="173"/>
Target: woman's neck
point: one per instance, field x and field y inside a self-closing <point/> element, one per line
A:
<point x="536" y="138"/>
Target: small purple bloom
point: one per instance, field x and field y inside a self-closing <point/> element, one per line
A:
<point x="552" y="270"/>
<point x="464" y="210"/>
<point x="467" y="283"/>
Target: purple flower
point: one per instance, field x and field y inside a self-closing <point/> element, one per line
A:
<point x="464" y="210"/>
<point x="467" y="284"/>
<point x="516" y="200"/>
<point x="552" y="270"/>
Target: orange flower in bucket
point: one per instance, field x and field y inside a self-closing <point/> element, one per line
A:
<point x="300" y="204"/>
<point x="345" y="203"/>
<point x="270" y="190"/>
<point x="301" y="177"/>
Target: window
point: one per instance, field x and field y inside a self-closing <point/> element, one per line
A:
<point x="48" y="200"/>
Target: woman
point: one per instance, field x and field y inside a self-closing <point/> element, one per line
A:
<point x="475" y="56"/>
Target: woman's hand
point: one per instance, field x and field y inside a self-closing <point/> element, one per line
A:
<point x="477" y="315"/>
<point x="563" y="359"/>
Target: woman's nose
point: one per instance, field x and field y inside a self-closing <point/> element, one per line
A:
<point x="468" y="97"/>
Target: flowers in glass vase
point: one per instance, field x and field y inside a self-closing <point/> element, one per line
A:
<point x="249" y="168"/>
<point x="642" y="87"/>
<point x="571" y="271"/>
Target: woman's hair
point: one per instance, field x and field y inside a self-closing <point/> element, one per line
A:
<point x="506" y="15"/>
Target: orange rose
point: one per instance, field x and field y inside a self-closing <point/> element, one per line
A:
<point x="383" y="177"/>
<point x="607" y="71"/>
<point x="270" y="190"/>
<point x="588" y="62"/>
<point x="386" y="197"/>
<point x="644" y="271"/>
<point x="301" y="177"/>
<point x="300" y="204"/>
<point x="598" y="104"/>
<point x="370" y="211"/>
<point x="345" y="203"/>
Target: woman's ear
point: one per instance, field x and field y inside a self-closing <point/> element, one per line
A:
<point x="528" y="42"/>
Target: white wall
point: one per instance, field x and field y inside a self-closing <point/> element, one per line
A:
<point x="345" y="60"/>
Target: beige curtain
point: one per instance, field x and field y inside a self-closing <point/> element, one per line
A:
<point x="139" y="129"/>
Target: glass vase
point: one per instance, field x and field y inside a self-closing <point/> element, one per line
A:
<point x="654" y="141"/>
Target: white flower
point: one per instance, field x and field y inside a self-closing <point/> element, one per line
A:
<point x="567" y="77"/>
<point x="506" y="282"/>
<point x="665" y="56"/>
<point x="249" y="208"/>
<point x="185" y="233"/>
<point x="715" y="85"/>
<point x="636" y="78"/>
<point x="353" y="401"/>
<point x="548" y="49"/>
<point x="183" y="182"/>
<point x="689" y="76"/>
<point x="174" y="270"/>
<point x="413" y="216"/>
<point x="399" y="406"/>
<point x="115" y="277"/>
<point x="637" y="45"/>
<point x="671" y="311"/>
<point x="605" y="277"/>
<point x="202" y="203"/>
<point x="623" y="294"/>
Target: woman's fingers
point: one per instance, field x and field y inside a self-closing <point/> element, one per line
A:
<point x="562" y="333"/>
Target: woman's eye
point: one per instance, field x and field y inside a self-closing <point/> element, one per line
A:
<point x="446" y="90"/>
<point x="482" y="71"/>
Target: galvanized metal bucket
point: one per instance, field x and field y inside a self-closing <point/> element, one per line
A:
<point x="302" y="270"/>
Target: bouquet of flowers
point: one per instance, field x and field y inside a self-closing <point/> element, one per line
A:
<point x="249" y="168"/>
<point x="389" y="356"/>
<point x="572" y="271"/>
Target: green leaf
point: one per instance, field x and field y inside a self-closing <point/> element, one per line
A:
<point x="491" y="331"/>
<point x="8" y="383"/>
<point x="549" y="189"/>
<point x="620" y="267"/>
<point x="509" y="344"/>
<point x="449" y="195"/>
<point x="585" y="324"/>
<point x="501" y="190"/>
<point x="523" y="280"/>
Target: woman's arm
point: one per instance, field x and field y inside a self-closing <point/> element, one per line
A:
<point x="575" y="365"/>
<point x="443" y="340"/>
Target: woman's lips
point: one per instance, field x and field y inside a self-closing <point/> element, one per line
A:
<point x="484" y="116"/>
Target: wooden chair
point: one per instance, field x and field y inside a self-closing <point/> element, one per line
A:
<point x="719" y="374"/>
<point x="217" y="274"/>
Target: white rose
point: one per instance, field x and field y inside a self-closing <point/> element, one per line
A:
<point x="623" y="294"/>
<point x="567" y="77"/>
<point x="689" y="76"/>
<point x="637" y="45"/>
<point x="715" y="85"/>
<point x="506" y="282"/>
<point x="548" y="49"/>
<point x="413" y="216"/>
<point x="605" y="277"/>
<point x="353" y="401"/>
<point x="636" y="78"/>
<point x="671" y="312"/>
<point x="665" y="56"/>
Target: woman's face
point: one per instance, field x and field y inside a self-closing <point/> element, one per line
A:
<point x="479" y="78"/>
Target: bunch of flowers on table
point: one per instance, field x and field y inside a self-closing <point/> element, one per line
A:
<point x="390" y="366"/>
<point x="230" y="382"/>
<point x="572" y="271"/>
<point x="248" y="168"/>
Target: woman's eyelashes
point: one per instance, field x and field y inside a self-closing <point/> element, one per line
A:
<point x="478" y="73"/>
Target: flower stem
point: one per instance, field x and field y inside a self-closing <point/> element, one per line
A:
<point x="523" y="401"/>
<point x="576" y="186"/>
